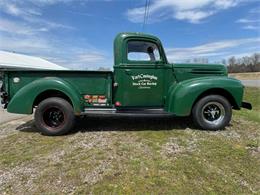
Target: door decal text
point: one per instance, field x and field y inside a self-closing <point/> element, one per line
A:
<point x="144" y="81"/>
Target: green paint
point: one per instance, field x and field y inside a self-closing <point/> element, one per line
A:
<point x="183" y="95"/>
<point x="135" y="84"/>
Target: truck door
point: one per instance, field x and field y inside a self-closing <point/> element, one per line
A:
<point x="139" y="82"/>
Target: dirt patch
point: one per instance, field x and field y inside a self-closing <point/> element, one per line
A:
<point x="183" y="145"/>
<point x="23" y="176"/>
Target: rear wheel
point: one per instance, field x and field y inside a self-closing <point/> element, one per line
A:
<point x="212" y="112"/>
<point x="54" y="116"/>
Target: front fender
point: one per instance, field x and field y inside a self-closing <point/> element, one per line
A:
<point x="183" y="95"/>
<point x="22" y="101"/>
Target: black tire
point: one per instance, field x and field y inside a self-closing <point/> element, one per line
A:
<point x="212" y="112"/>
<point x="54" y="116"/>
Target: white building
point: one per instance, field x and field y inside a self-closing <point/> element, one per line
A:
<point x="9" y="60"/>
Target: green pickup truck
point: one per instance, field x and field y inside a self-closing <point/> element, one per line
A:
<point x="143" y="83"/>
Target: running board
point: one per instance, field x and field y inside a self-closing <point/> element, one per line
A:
<point x="125" y="112"/>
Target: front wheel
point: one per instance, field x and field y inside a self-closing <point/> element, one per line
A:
<point x="54" y="116"/>
<point x="212" y="112"/>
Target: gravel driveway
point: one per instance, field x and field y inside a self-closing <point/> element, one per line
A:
<point x="6" y="117"/>
<point x="251" y="83"/>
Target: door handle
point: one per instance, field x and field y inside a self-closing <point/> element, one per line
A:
<point x="127" y="71"/>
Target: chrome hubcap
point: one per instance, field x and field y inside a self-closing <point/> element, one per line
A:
<point x="213" y="113"/>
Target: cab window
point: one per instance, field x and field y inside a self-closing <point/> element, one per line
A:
<point x="142" y="51"/>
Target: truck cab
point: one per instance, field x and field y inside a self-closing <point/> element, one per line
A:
<point x="143" y="83"/>
<point x="142" y="74"/>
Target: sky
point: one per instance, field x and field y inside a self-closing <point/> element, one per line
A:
<point x="79" y="34"/>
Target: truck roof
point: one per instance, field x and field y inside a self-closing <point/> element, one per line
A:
<point x="124" y="35"/>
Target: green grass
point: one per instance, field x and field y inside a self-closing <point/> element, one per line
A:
<point x="252" y="95"/>
<point x="135" y="156"/>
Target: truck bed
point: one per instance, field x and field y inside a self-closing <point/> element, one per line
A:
<point x="84" y="82"/>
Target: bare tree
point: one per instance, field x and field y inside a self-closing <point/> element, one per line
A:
<point x="232" y="61"/>
<point x="244" y="64"/>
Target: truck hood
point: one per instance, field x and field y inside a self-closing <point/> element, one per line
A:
<point x="189" y="71"/>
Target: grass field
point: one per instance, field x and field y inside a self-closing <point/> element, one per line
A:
<point x="246" y="76"/>
<point x="251" y="95"/>
<point x="134" y="156"/>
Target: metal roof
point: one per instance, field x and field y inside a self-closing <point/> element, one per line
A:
<point x="9" y="60"/>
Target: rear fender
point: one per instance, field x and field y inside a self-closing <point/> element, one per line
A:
<point x="22" y="101"/>
<point x="181" y="97"/>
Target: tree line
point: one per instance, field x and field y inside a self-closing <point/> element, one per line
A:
<point x="235" y="65"/>
<point x="244" y="64"/>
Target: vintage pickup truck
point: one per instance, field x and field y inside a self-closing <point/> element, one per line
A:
<point x="143" y="83"/>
